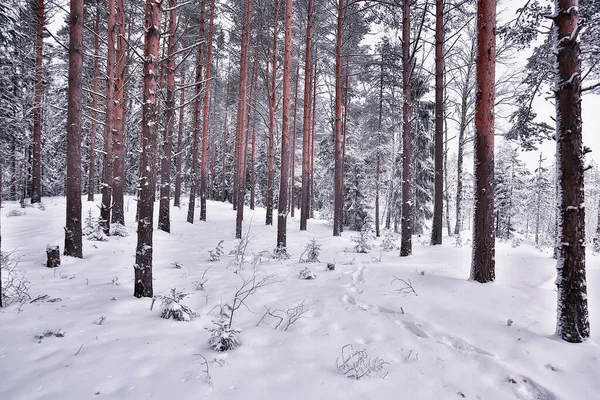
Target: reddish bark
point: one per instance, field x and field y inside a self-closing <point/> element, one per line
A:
<point x="483" y="263"/>
<point x="36" y="173"/>
<point x="438" y="203"/>
<point x="203" y="165"/>
<point x="291" y="196"/>
<point x="252" y="118"/>
<point x="144" y="249"/>
<point x="164" y="218"/>
<point x="338" y="174"/>
<point x="196" y="117"/>
<point x="306" y="123"/>
<point x="73" y="243"/>
<point x="572" y="320"/>
<point x="285" y="130"/>
<point x="118" y="182"/>
<point x="241" y="120"/>
<point x="406" y="239"/>
<point x="344" y="135"/>
<point x="107" y="170"/>
<point x="312" y="141"/>
<point x="177" y="194"/>
<point x="272" y="105"/>
<point x="224" y="146"/>
<point x="96" y="74"/>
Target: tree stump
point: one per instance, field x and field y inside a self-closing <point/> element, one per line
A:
<point x="53" y="253"/>
<point x="330" y="267"/>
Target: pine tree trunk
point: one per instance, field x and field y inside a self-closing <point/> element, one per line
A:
<point x="36" y="187"/>
<point x="572" y="320"/>
<point x="107" y="167"/>
<point x="144" y="249"/>
<point x="483" y="262"/>
<point x="285" y="131"/>
<point x="96" y="73"/>
<point x="241" y="121"/>
<point x="253" y="168"/>
<point x="196" y="117"/>
<point x="164" y="218"/>
<point x="178" y="156"/>
<point x="438" y="204"/>
<point x="446" y="191"/>
<point x="203" y="167"/>
<point x="292" y="196"/>
<point x="224" y="146"/>
<point x="272" y="105"/>
<point x="313" y="118"/>
<point x="306" y="123"/>
<point x="338" y="177"/>
<point x="118" y="188"/>
<point x="407" y="189"/>
<point x="73" y="243"/>
<point x="251" y="138"/>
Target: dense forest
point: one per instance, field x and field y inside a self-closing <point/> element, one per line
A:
<point x="363" y="113"/>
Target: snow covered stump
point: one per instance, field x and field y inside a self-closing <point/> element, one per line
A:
<point x="53" y="255"/>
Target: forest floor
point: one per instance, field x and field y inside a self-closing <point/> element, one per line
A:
<point x="449" y="339"/>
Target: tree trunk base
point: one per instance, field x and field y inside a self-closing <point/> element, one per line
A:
<point x="53" y="255"/>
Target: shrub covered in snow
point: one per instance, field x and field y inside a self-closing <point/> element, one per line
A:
<point x="389" y="242"/>
<point x="15" y="287"/>
<point x="173" y="308"/>
<point x="312" y="251"/>
<point x="222" y="336"/>
<point x="15" y="213"/>
<point x="307" y="274"/>
<point x="215" y="255"/>
<point x="280" y="253"/>
<point x="358" y="364"/>
<point x="118" y="230"/>
<point x="363" y="241"/>
<point x="92" y="229"/>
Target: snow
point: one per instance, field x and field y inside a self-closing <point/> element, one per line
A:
<point x="449" y="340"/>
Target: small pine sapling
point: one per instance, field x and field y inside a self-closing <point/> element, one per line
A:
<point x="118" y="230"/>
<point x="215" y="255"/>
<point x="173" y="308"/>
<point x="307" y="274"/>
<point x="93" y="229"/>
<point x="280" y="253"/>
<point x="389" y="242"/>
<point x="363" y="241"/>
<point x="312" y="251"/>
<point x="222" y="336"/>
<point x="90" y="224"/>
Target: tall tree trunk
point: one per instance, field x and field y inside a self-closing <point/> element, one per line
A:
<point x="196" y="117"/>
<point x="118" y="189"/>
<point x="251" y="132"/>
<point x="407" y="186"/>
<point x="483" y="262"/>
<point x="285" y="131"/>
<point x="107" y="168"/>
<point x="338" y="173"/>
<point x="144" y="249"/>
<point x="164" y="217"/>
<point x="224" y="146"/>
<point x="241" y="121"/>
<point x="313" y="118"/>
<point x="572" y="321"/>
<point x="446" y="191"/>
<point x="306" y="122"/>
<point x="203" y="166"/>
<point x="438" y="204"/>
<point x="96" y="74"/>
<point x="178" y="156"/>
<point x="73" y="244"/>
<point x="292" y="196"/>
<point x="36" y="187"/>
<point x="344" y="135"/>
<point x="272" y="105"/>
<point x="253" y="168"/>
<point x="538" y="202"/>
<point x="378" y="160"/>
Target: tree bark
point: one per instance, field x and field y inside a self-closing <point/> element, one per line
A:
<point x="96" y="73"/>
<point x="144" y="249"/>
<point x="178" y="157"/>
<point x="285" y="131"/>
<point x="272" y="105"/>
<point x="196" y="116"/>
<point x="241" y="120"/>
<point x="483" y="262"/>
<point x="572" y="323"/>
<point x="338" y="173"/>
<point x="36" y="178"/>
<point x="73" y="243"/>
<point x="224" y="146"/>
<point x="292" y="196"/>
<point x="407" y="189"/>
<point x="203" y="165"/>
<point x="438" y="204"/>
<point x="118" y="188"/>
<point x="306" y="122"/>
<point x="313" y="117"/>
<point x="107" y="168"/>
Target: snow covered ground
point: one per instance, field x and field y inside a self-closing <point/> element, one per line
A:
<point x="448" y="340"/>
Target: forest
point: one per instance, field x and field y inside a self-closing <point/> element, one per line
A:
<point x="421" y="164"/>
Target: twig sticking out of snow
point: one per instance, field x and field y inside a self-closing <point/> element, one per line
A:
<point x="357" y="364"/>
<point x="407" y="288"/>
